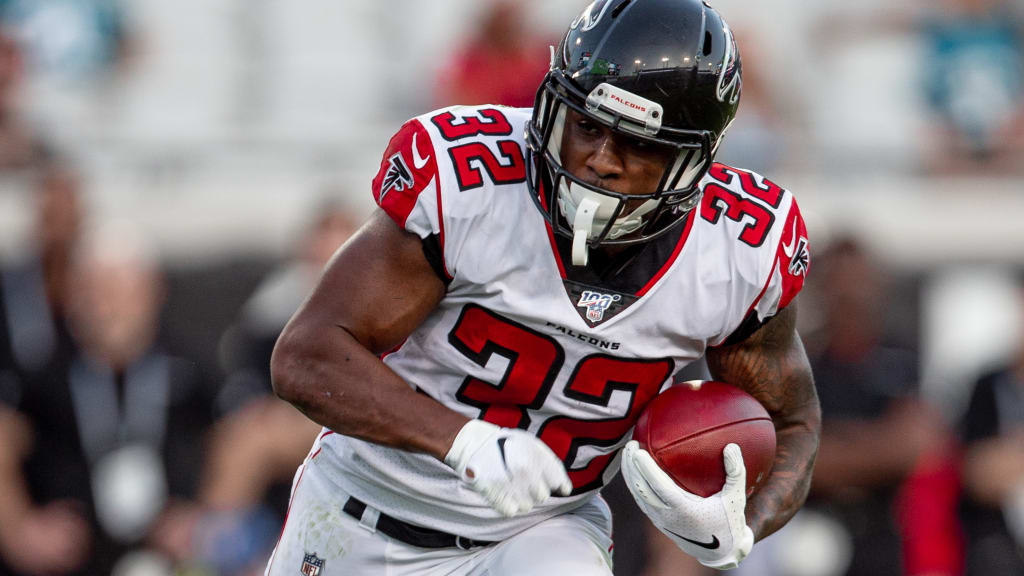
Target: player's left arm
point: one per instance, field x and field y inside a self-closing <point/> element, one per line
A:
<point x="772" y="366"/>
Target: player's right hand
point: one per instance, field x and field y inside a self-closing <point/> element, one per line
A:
<point x="511" y="468"/>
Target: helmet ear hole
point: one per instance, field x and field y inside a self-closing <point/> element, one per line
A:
<point x="707" y="43"/>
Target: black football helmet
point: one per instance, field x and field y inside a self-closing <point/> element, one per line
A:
<point x="666" y="72"/>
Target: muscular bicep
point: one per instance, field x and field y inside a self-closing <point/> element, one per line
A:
<point x="377" y="289"/>
<point x="770" y="364"/>
<point x="379" y="286"/>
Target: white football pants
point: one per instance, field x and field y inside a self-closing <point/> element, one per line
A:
<point x="319" y="539"/>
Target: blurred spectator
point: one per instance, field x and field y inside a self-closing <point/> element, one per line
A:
<point x="34" y="291"/>
<point x="875" y="430"/>
<point x="17" y="147"/>
<point x="756" y="139"/>
<point x="992" y="509"/>
<point x="500" y="64"/>
<point x="246" y="346"/>
<point x="953" y="72"/>
<point x="257" y="446"/>
<point x="883" y="495"/>
<point x="101" y="450"/>
<point x="67" y="39"/>
<point x="975" y="81"/>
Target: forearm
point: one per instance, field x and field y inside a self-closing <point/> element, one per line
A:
<point x="785" y="490"/>
<point x="337" y="382"/>
<point x="772" y="366"/>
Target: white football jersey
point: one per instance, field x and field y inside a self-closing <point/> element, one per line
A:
<point x="517" y="344"/>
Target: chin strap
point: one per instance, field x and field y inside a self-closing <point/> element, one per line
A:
<point x="581" y="226"/>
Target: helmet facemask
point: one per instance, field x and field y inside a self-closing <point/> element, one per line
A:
<point x="595" y="216"/>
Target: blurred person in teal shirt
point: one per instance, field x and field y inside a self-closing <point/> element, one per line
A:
<point x="974" y="76"/>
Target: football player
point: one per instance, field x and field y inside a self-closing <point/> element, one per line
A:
<point x="480" y="351"/>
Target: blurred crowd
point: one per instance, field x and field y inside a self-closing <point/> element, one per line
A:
<point x="117" y="455"/>
<point x="139" y="434"/>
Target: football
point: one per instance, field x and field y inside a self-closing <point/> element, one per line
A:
<point x="686" y="427"/>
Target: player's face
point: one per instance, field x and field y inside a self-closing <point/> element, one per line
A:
<point x="595" y="154"/>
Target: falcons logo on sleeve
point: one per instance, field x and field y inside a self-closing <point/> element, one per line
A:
<point x="398" y="177"/>
<point x="799" y="256"/>
<point x="801" y="260"/>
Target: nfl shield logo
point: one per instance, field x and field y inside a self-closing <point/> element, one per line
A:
<point x="596" y="304"/>
<point x="311" y="565"/>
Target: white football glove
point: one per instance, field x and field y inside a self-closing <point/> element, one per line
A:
<point x="511" y="468"/>
<point x="714" y="529"/>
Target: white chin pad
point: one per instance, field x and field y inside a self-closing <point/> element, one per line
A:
<point x="582" y="228"/>
<point x="571" y="196"/>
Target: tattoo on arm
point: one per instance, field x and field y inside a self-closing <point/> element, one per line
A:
<point x="772" y="366"/>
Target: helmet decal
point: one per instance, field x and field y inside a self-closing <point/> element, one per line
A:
<point x="641" y="111"/>
<point x="729" y="82"/>
<point x="591" y="15"/>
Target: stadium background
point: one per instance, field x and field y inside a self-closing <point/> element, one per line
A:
<point x="218" y="129"/>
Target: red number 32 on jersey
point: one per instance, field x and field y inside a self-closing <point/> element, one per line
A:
<point x="534" y="362"/>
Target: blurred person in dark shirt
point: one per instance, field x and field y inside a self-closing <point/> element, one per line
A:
<point x="101" y="448"/>
<point x="992" y="507"/>
<point x="33" y="338"/>
<point x="883" y="465"/>
<point x="875" y="429"/>
<point x="34" y="290"/>
<point x="502" y="64"/>
<point x="246" y="346"/>
<point x="260" y="440"/>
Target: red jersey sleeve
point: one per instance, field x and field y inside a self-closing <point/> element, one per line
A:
<point x="406" y="185"/>
<point x="789" y="266"/>
<point x="793" y="257"/>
